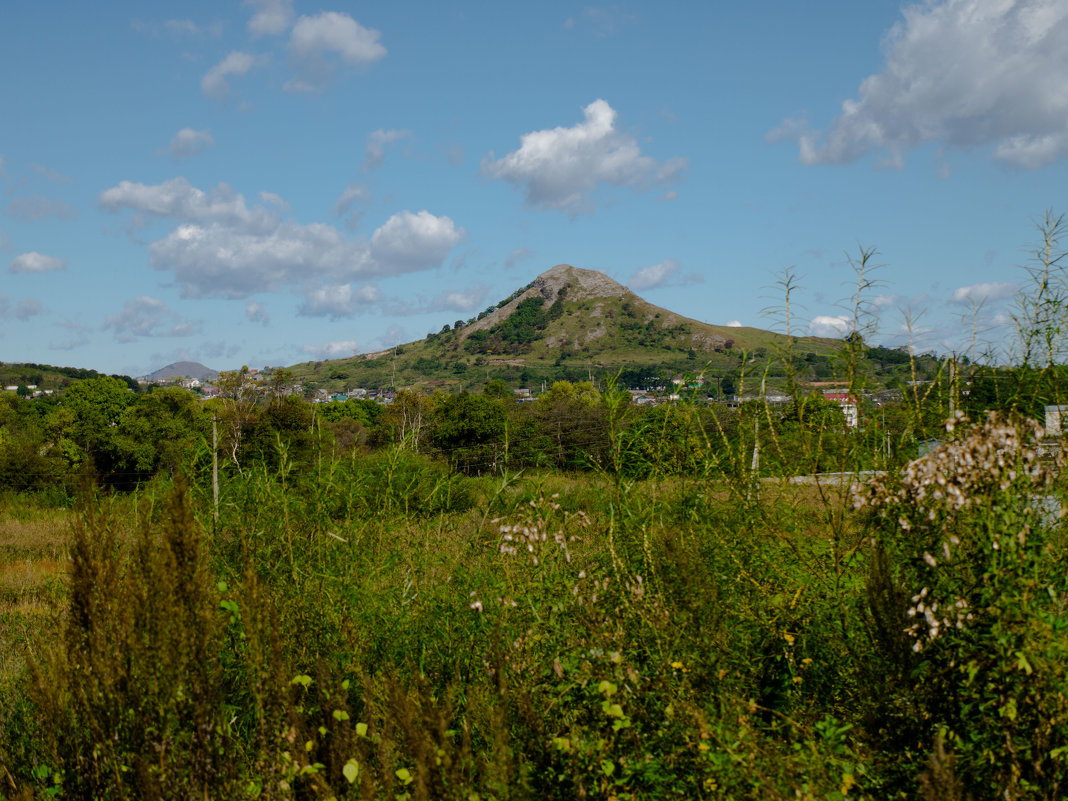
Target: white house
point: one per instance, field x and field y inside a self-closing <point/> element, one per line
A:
<point x="848" y="404"/>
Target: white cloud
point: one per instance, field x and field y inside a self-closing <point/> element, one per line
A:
<point x="375" y="153"/>
<point x="187" y="143"/>
<point x="178" y="199"/>
<point x="827" y="326"/>
<point x="733" y="324"/>
<point x="223" y="248"/>
<point x="256" y="313"/>
<point x="220" y="260"/>
<point x="653" y="275"/>
<point x="270" y="17"/>
<point x="962" y="73"/>
<point x="215" y="83"/>
<point x="339" y="300"/>
<point x="147" y="317"/>
<point x="980" y="293"/>
<point x="410" y="242"/>
<point x="37" y="207"/>
<point x="34" y="262"/>
<point x="314" y="39"/>
<point x="332" y="350"/>
<point x="558" y="168"/>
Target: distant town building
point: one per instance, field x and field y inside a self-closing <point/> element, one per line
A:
<point x="848" y="404"/>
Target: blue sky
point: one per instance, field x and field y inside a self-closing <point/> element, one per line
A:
<point x="272" y="181"/>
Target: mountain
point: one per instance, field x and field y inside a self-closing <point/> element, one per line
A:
<point x="181" y="370"/>
<point x="568" y="323"/>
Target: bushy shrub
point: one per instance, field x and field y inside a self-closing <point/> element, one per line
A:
<point x="966" y="597"/>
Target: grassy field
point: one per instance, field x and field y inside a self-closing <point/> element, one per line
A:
<point x="33" y="574"/>
<point x="379" y="627"/>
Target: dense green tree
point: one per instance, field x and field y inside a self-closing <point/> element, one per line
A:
<point x="469" y="431"/>
<point x="97" y="405"/>
<point x="162" y="431"/>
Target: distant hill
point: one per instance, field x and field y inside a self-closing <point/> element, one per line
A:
<point x="47" y="376"/>
<point x="181" y="370"/>
<point x="568" y="323"/>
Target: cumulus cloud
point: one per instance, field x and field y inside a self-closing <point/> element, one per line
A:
<point x="829" y="326"/>
<point x="223" y="248"/>
<point x="147" y="317"/>
<point x="316" y="43"/>
<point x="653" y="275"/>
<point x="558" y="168"/>
<point x="981" y="293"/>
<point x="962" y="73"/>
<point x="216" y="81"/>
<point x="734" y="324"/>
<point x="178" y="199"/>
<point x="270" y="17"/>
<point x="332" y="350"/>
<point x="187" y="143"/>
<point x="37" y="207"/>
<point x="339" y="300"/>
<point x="375" y="152"/>
<point x="410" y="242"/>
<point x="221" y="260"/>
<point x="34" y="262"/>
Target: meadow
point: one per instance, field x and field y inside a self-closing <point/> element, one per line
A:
<point x="380" y="625"/>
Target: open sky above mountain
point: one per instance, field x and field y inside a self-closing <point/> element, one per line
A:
<point x="269" y="181"/>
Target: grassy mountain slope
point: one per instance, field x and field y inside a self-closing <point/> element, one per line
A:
<point x="567" y="323"/>
<point x="47" y="376"/>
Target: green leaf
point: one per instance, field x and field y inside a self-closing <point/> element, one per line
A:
<point x="612" y="710"/>
<point x="607" y="688"/>
<point x="351" y="771"/>
<point x="340" y="714"/>
<point x="608" y="767"/>
<point x="405" y="776"/>
<point x="1023" y="664"/>
<point x="303" y="680"/>
<point x="361" y="729"/>
<point x="1009" y="710"/>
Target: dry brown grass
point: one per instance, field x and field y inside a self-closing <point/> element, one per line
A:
<point x="33" y="576"/>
